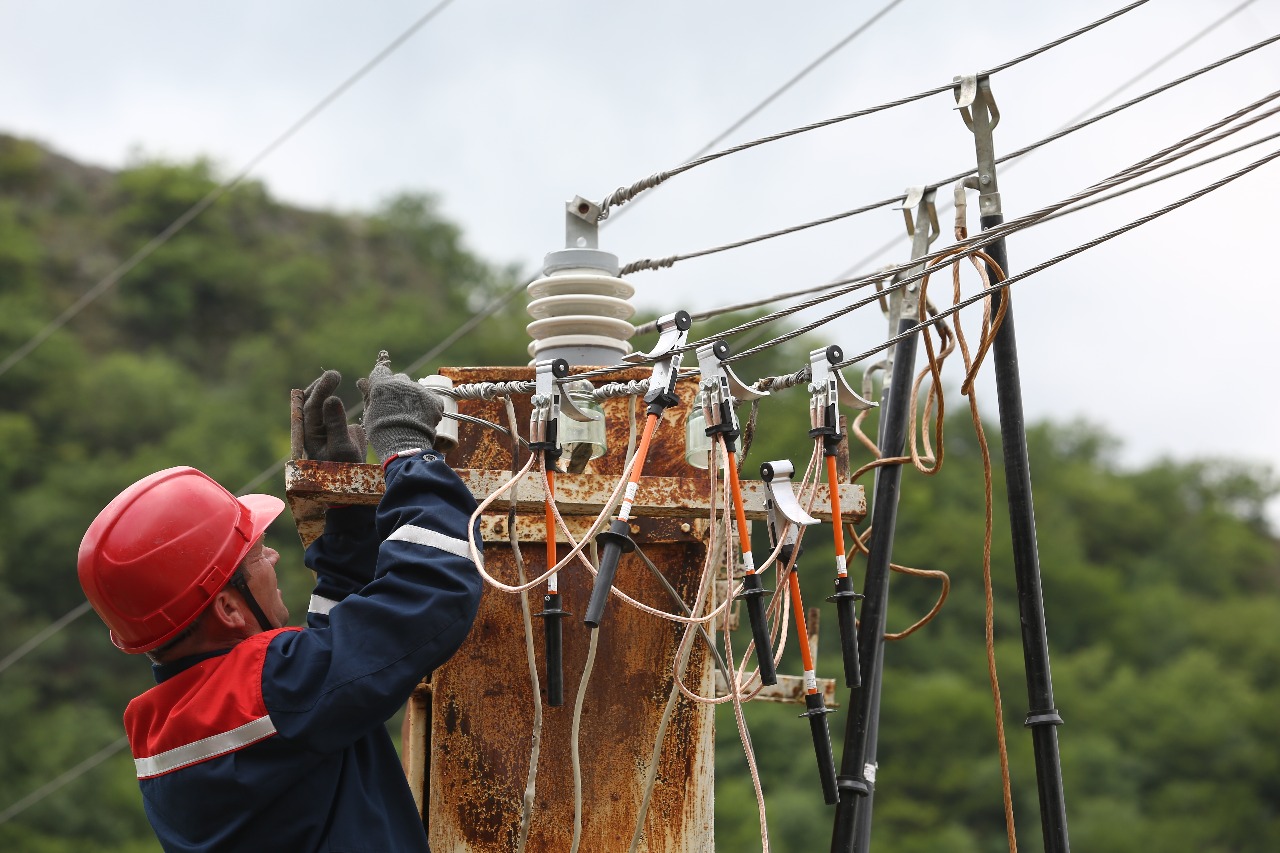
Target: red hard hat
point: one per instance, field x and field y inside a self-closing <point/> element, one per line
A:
<point x="153" y="560"/>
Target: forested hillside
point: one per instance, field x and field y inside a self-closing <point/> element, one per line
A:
<point x="1162" y="584"/>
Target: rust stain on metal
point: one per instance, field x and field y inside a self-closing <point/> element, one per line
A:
<point x="482" y="726"/>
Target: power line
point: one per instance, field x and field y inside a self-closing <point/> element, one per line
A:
<point x="1154" y="161"/>
<point x="213" y="195"/>
<point x="974" y="244"/>
<point x="495" y="306"/>
<point x="742" y="306"/>
<point x="69" y="776"/>
<point x="48" y="631"/>
<point x="1074" y="124"/>
<point x="622" y="195"/>
<point x="672" y="260"/>
<point x="1011" y="280"/>
<point x="785" y="87"/>
<point x="1174" y="173"/>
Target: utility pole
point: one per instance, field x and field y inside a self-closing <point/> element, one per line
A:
<point x="858" y="760"/>
<point x="978" y="108"/>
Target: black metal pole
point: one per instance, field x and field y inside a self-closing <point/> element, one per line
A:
<point x="862" y="724"/>
<point x="862" y="822"/>
<point x="1043" y="718"/>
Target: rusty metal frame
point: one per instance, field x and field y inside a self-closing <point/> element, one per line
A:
<point x="466" y="761"/>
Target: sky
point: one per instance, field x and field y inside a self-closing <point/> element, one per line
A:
<point x="505" y="110"/>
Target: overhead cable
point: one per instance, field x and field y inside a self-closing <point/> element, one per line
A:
<point x="671" y="260"/>
<point x="489" y="310"/>
<point x="1196" y="165"/>
<point x="976" y="243"/>
<point x="216" y="193"/>
<point x="435" y="352"/>
<point x="781" y="90"/>
<point x="1013" y="279"/>
<point x="973" y="244"/>
<point x="622" y="195"/>
<point x="69" y="776"/>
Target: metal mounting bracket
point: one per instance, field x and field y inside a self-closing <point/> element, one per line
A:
<point x="581" y="224"/>
<point x="905" y="300"/>
<point x="978" y="108"/>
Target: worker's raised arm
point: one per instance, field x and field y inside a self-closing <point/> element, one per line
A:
<point x="325" y="687"/>
<point x="345" y="555"/>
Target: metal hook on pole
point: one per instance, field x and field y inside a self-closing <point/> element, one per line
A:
<point x="978" y="109"/>
<point x="720" y="389"/>
<point x="858" y="759"/>
<point x="616" y="541"/>
<point x="786" y="517"/>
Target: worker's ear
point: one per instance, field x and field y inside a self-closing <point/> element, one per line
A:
<point x="227" y="612"/>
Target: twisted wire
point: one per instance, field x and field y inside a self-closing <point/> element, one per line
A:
<point x="1069" y="127"/>
<point x="488" y="390"/>
<point x="1013" y="279"/>
<point x="150" y="247"/>
<point x="645" y="264"/>
<point x="634" y="388"/>
<point x="1161" y="158"/>
<point x="781" y="383"/>
<point x="622" y="195"/>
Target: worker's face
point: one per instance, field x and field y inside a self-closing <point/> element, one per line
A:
<point x="260" y="568"/>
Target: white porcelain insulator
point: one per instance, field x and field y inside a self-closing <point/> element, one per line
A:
<point x="581" y="314"/>
<point x="447" y="429"/>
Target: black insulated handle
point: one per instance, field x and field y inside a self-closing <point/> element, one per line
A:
<point x="817" y="714"/>
<point x="754" y="593"/>
<point x="553" y="636"/>
<point x="616" y="541"/>
<point x="847" y="617"/>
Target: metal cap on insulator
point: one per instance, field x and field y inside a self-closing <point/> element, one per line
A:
<point x="447" y="429"/>
<point x="580" y="307"/>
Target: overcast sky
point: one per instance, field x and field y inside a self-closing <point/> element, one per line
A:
<point x="505" y="110"/>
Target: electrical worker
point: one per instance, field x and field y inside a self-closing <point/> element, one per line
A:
<point x="259" y="737"/>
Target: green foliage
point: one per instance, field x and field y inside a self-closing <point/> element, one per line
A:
<point x="1161" y="584"/>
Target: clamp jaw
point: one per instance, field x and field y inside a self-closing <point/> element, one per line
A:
<point x="786" y="517"/>
<point x="721" y="389"/>
<point x="784" y="509"/>
<point x="545" y="417"/>
<point x="666" y="355"/>
<point x="549" y="402"/>
<point x="828" y="389"/>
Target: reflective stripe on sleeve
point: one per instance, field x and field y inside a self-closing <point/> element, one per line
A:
<point x="206" y="748"/>
<point x="320" y="604"/>
<point x="423" y="536"/>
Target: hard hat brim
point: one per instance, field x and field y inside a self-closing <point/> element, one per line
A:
<point x="263" y="509"/>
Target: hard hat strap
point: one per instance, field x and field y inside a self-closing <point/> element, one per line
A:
<point x="241" y="585"/>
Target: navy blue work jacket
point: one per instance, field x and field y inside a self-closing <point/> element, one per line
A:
<point x="280" y="743"/>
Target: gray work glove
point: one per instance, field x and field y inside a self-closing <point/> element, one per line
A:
<point x="399" y="414"/>
<point x="325" y="434"/>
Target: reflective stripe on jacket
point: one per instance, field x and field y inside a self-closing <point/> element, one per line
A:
<point x="281" y="742"/>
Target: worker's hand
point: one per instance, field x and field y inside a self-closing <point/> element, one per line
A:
<point x="399" y="414"/>
<point x="325" y="434"/>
